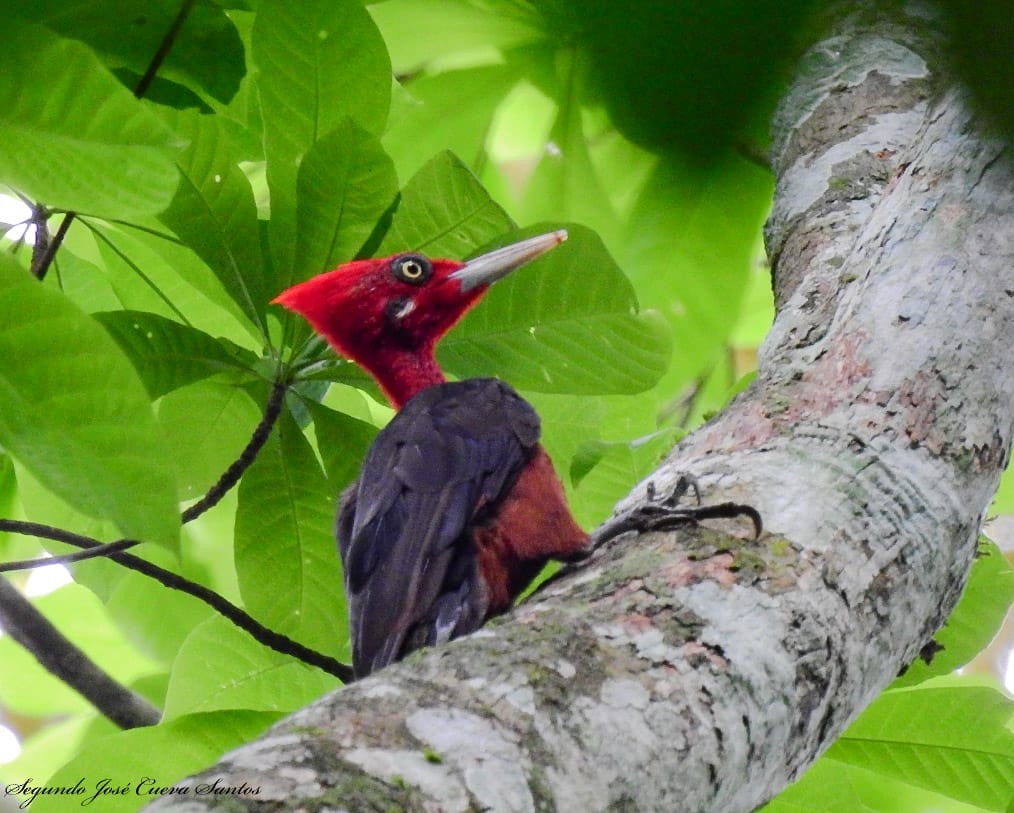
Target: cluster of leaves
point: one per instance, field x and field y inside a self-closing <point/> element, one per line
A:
<point x="273" y="145"/>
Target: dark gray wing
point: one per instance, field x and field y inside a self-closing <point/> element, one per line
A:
<point x="410" y="570"/>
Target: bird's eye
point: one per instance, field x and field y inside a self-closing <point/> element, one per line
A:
<point x="412" y="268"/>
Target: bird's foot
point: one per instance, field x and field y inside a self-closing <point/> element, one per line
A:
<point x="666" y="513"/>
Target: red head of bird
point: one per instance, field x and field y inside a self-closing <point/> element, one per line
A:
<point x="388" y="314"/>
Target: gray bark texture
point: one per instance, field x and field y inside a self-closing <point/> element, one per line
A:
<point x="694" y="670"/>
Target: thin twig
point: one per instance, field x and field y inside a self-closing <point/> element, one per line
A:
<point x="42" y="262"/>
<point x="264" y="635"/>
<point x="67" y="558"/>
<point x="62" y="658"/>
<point x="45" y="259"/>
<point x="163" y="49"/>
<point x="231" y="475"/>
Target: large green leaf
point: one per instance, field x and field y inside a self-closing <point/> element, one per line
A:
<point x="214" y="213"/>
<point x="952" y="740"/>
<point x="837" y="787"/>
<point x="568" y="323"/>
<point x="155" y="619"/>
<point x="346" y="182"/>
<point x="76" y="415"/>
<point x="286" y="556"/>
<point x="318" y="62"/>
<point x="342" y="442"/>
<point x="221" y="667"/>
<point x="206" y="52"/>
<point x="444" y="212"/>
<point x="142" y="760"/>
<point x="168" y="355"/>
<point x="150" y="269"/>
<point x="210" y="422"/>
<point x="683" y="74"/>
<point x="78" y="140"/>
<point x="984" y="604"/>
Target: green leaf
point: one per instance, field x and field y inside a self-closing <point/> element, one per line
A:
<point x="837" y="787"/>
<point x="705" y="75"/>
<point x="951" y="740"/>
<point x="444" y="212"/>
<point x="567" y="323"/>
<point x="318" y="62"/>
<point x="450" y="111"/>
<point x="346" y="182"/>
<point x="210" y="423"/>
<point x="206" y="52"/>
<point x="342" y="442"/>
<point x="39" y="504"/>
<point x="142" y="760"/>
<point x="74" y="610"/>
<point x="611" y="468"/>
<point x="423" y="31"/>
<point x="978" y="616"/>
<point x="690" y="247"/>
<point x="155" y="619"/>
<point x="286" y="556"/>
<point x="79" y="140"/>
<point x="220" y="667"/>
<point x="151" y="270"/>
<point x="76" y="415"/>
<point x="168" y="355"/>
<point x="214" y="213"/>
<point x="565" y="184"/>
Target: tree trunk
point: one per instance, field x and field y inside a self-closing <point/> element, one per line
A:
<point x="692" y="670"/>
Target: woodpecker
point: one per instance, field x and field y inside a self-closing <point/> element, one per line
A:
<point x="457" y="506"/>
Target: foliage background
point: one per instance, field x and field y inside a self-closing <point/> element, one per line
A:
<point x="272" y="145"/>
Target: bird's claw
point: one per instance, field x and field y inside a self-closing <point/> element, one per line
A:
<point x="665" y="513"/>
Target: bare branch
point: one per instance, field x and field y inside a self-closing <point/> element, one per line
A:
<point x="62" y="658"/>
<point x="239" y="617"/>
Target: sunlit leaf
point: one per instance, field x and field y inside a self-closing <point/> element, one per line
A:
<point x="286" y="556"/>
<point x="221" y="667"/>
<point x="346" y="182"/>
<point x="978" y="616"/>
<point x="209" y="423"/>
<point x="342" y="442"/>
<point x="569" y="322"/>
<point x="168" y="355"/>
<point x="214" y="213"/>
<point x="76" y="415"/>
<point x="155" y="619"/>
<point x="318" y="62"/>
<point x="424" y="31"/>
<point x="75" y="611"/>
<point x="690" y="244"/>
<point x="78" y="140"/>
<point x="444" y="212"/>
<point x="206" y="52"/>
<point x="449" y="111"/>
<point x="951" y="740"/>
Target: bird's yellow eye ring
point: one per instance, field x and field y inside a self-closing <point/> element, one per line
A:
<point x="411" y="268"/>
